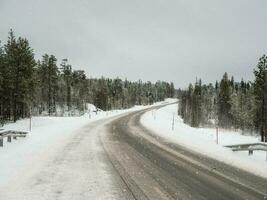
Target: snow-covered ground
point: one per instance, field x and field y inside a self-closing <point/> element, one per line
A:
<point x="203" y="140"/>
<point x="47" y="136"/>
<point x="48" y="133"/>
<point x="23" y="158"/>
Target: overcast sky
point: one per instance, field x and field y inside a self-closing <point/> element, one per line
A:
<point x="172" y="40"/>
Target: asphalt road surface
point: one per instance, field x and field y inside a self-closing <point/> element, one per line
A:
<point x="151" y="168"/>
<point x="117" y="158"/>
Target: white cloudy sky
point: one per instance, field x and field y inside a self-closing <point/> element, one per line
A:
<point x="172" y="40"/>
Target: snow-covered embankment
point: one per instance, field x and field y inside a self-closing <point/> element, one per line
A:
<point x="46" y="138"/>
<point x="203" y="140"/>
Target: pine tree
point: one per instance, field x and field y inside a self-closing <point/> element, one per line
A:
<point x="20" y="63"/>
<point x="208" y="110"/>
<point x="172" y="90"/>
<point x="67" y="76"/>
<point x="6" y="70"/>
<point x="196" y="104"/>
<point x="80" y="90"/>
<point x="101" y="94"/>
<point x="48" y="75"/>
<point x="224" y="106"/>
<point x="27" y="86"/>
<point x="1" y="84"/>
<point x="260" y="86"/>
<point x="243" y="107"/>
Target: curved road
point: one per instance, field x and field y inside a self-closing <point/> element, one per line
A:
<point x="152" y="168"/>
<point x="117" y="158"/>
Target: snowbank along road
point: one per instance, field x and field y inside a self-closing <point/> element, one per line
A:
<point x="117" y="158"/>
<point x="156" y="169"/>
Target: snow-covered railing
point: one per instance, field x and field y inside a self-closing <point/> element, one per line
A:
<point x="9" y="134"/>
<point x="259" y="146"/>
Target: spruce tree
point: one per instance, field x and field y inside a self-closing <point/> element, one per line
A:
<point x="48" y="75"/>
<point x="260" y="88"/>
<point x="1" y="83"/>
<point x="20" y="63"/>
<point x="25" y="84"/>
<point x="224" y="106"/>
<point x="80" y="90"/>
<point x="67" y="76"/>
<point x="196" y="104"/>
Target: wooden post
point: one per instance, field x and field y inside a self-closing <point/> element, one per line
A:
<point x="1" y="142"/>
<point x="217" y="135"/>
<point x="173" y="121"/>
<point x="9" y="138"/>
<point x="30" y="120"/>
<point x="30" y="128"/>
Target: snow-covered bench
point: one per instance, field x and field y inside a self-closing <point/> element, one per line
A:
<point x="9" y="134"/>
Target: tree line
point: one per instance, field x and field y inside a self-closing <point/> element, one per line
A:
<point x="227" y="103"/>
<point x="44" y="87"/>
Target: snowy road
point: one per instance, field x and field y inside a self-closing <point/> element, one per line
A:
<point x="117" y="158"/>
<point x="156" y="169"/>
<point x="77" y="169"/>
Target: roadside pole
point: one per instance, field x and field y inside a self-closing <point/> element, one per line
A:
<point x="173" y="121"/>
<point x="30" y="125"/>
<point x="217" y="135"/>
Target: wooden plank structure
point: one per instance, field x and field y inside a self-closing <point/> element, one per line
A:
<point x="9" y="134"/>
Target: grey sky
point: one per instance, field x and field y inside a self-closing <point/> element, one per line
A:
<point x="172" y="40"/>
